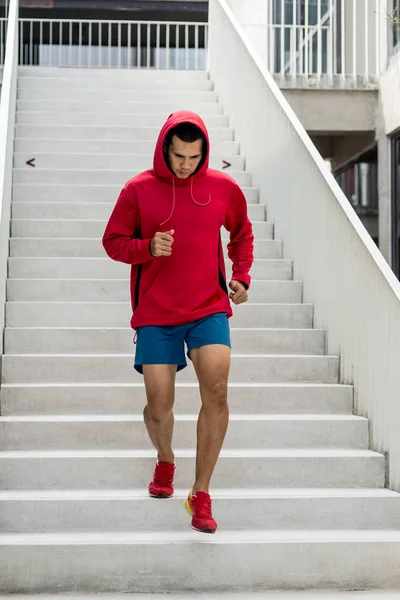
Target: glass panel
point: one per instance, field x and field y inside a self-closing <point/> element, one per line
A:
<point x="359" y="182"/>
<point x="396" y="36"/>
<point x="112" y="45"/>
<point x="396" y="27"/>
<point x="283" y="13"/>
<point x="300" y="11"/>
<point x="396" y="205"/>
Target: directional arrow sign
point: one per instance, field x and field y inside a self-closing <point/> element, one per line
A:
<point x="226" y="164"/>
<point x="30" y="162"/>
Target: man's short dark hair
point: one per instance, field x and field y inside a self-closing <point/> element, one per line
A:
<point x="189" y="133"/>
<point x="186" y="132"/>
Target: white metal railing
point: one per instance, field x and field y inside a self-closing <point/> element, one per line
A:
<point x="355" y="293"/>
<point x="7" y="126"/>
<point x="114" y="44"/>
<point x="313" y="40"/>
<point x="326" y="40"/>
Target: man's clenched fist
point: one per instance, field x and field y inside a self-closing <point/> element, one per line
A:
<point x="239" y="294"/>
<point x="161" y="244"/>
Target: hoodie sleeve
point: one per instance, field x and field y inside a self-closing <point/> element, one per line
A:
<point x="121" y="239"/>
<point x="241" y="245"/>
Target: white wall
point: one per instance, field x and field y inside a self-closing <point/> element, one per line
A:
<point x="355" y="294"/>
<point x="253" y="16"/>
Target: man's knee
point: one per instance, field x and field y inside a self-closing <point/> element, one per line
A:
<point x="215" y="393"/>
<point x="158" y="414"/>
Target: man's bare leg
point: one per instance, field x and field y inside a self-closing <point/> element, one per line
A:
<point x="160" y="390"/>
<point x="212" y="365"/>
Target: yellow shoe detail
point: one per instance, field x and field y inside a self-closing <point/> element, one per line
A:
<point x="187" y="504"/>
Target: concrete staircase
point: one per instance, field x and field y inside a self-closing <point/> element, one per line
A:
<point x="299" y="497"/>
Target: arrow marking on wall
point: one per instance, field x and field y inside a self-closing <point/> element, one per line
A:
<point x="226" y="164"/>
<point x="30" y="162"/>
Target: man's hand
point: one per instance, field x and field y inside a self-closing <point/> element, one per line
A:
<point x="239" y="294"/>
<point x="161" y="244"/>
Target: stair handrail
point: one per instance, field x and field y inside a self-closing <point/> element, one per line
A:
<point x="7" y="129"/>
<point x="355" y="293"/>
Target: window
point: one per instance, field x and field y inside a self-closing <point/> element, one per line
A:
<point x="396" y="36"/>
<point x="359" y="181"/>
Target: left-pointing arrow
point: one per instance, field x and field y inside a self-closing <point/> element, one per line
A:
<point x="30" y="162"/>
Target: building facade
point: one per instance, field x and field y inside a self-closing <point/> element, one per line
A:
<point x="338" y="64"/>
<point x="154" y="10"/>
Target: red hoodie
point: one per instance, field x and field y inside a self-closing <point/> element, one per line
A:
<point x="191" y="283"/>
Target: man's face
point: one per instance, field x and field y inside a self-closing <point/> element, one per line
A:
<point x="184" y="158"/>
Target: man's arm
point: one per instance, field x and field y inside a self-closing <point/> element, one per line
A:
<point x="118" y="240"/>
<point x="241" y="245"/>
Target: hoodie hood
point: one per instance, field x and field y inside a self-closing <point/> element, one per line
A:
<point x="160" y="166"/>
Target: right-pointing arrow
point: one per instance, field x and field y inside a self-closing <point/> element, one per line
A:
<point x="226" y="164"/>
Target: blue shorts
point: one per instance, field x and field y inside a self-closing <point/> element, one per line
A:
<point x="158" y="345"/>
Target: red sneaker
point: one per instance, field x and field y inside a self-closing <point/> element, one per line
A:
<point x="199" y="507"/>
<point x="162" y="485"/>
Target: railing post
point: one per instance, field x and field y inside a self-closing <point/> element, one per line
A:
<point x="7" y="127"/>
<point x="342" y="44"/>
<point x="382" y="35"/>
<point x="330" y="51"/>
<point x="354" y="41"/>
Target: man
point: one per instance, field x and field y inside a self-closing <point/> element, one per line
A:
<point x="166" y="224"/>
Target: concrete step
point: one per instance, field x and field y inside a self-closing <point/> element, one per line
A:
<point x="95" y="146"/>
<point x="106" y="104"/>
<point x="113" y="314"/>
<point x="92" y="248"/>
<point x="73" y="228"/>
<point x="34" y="89"/>
<point x="23" y="192"/>
<point x="54" y="88"/>
<point x="106" y="132"/>
<point x="117" y="290"/>
<point x="137" y="162"/>
<point x="122" y="561"/>
<point x="248" y="368"/>
<point x="92" y="176"/>
<point x="125" y="432"/>
<point x="95" y="268"/>
<point x="124" y="469"/>
<point x="67" y="340"/>
<point x="118" y="119"/>
<point x="107" y="74"/>
<point x="103" y="131"/>
<point x="90" y="210"/>
<point x="245" y="509"/>
<point x="267" y="398"/>
<point x="157" y="88"/>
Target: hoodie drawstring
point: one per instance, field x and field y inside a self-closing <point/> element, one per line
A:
<point x="173" y="203"/>
<point x="191" y="195"/>
<point x="194" y="199"/>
